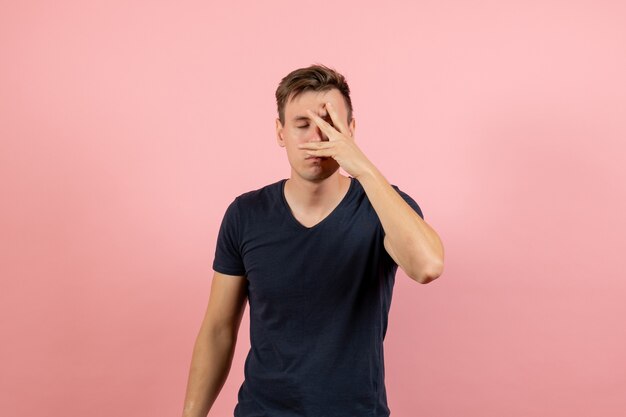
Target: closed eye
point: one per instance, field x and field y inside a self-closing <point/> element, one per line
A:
<point x="303" y="127"/>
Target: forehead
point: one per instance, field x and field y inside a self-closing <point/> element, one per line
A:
<point x="314" y="100"/>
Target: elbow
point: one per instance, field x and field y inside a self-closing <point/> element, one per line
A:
<point x="428" y="274"/>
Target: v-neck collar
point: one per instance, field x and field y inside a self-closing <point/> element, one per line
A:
<point x="316" y="225"/>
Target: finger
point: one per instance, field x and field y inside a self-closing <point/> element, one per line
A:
<point x="323" y="125"/>
<point x="319" y="152"/>
<point x="315" y="145"/>
<point x="330" y="108"/>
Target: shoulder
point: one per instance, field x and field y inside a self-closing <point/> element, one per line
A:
<point x="405" y="196"/>
<point x="267" y="191"/>
<point x="253" y="200"/>
<point x="361" y="192"/>
<point x="410" y="200"/>
<point x="401" y="192"/>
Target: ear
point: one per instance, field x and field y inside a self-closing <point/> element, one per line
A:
<point x="352" y="127"/>
<point x="279" y="133"/>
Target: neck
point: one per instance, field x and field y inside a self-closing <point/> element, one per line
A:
<point x="316" y="194"/>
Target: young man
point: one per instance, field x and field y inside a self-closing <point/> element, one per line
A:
<point x="315" y="255"/>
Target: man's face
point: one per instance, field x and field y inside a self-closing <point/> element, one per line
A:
<point x="299" y="128"/>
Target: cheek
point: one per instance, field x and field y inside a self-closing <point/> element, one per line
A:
<point x="299" y="135"/>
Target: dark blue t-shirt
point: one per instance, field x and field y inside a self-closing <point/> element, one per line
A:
<point x="319" y="300"/>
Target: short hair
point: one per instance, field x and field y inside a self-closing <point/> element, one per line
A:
<point x="316" y="77"/>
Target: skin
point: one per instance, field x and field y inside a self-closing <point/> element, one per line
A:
<point x="314" y="189"/>
<point x="315" y="186"/>
<point x="316" y="125"/>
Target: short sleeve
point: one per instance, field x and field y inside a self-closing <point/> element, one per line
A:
<point x="228" y="259"/>
<point x="410" y="201"/>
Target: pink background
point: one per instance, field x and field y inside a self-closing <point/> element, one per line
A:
<point x="126" y="128"/>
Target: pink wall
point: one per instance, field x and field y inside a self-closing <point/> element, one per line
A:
<point x="125" y="131"/>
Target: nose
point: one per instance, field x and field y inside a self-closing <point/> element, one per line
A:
<point x="318" y="133"/>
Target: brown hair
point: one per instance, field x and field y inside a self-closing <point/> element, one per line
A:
<point x="316" y="77"/>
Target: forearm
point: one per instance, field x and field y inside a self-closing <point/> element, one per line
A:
<point x="210" y="364"/>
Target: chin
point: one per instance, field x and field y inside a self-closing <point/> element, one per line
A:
<point x="317" y="176"/>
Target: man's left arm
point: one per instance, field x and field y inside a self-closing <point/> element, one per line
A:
<point x="409" y="240"/>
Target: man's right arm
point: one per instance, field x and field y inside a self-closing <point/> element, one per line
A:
<point x="215" y="344"/>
